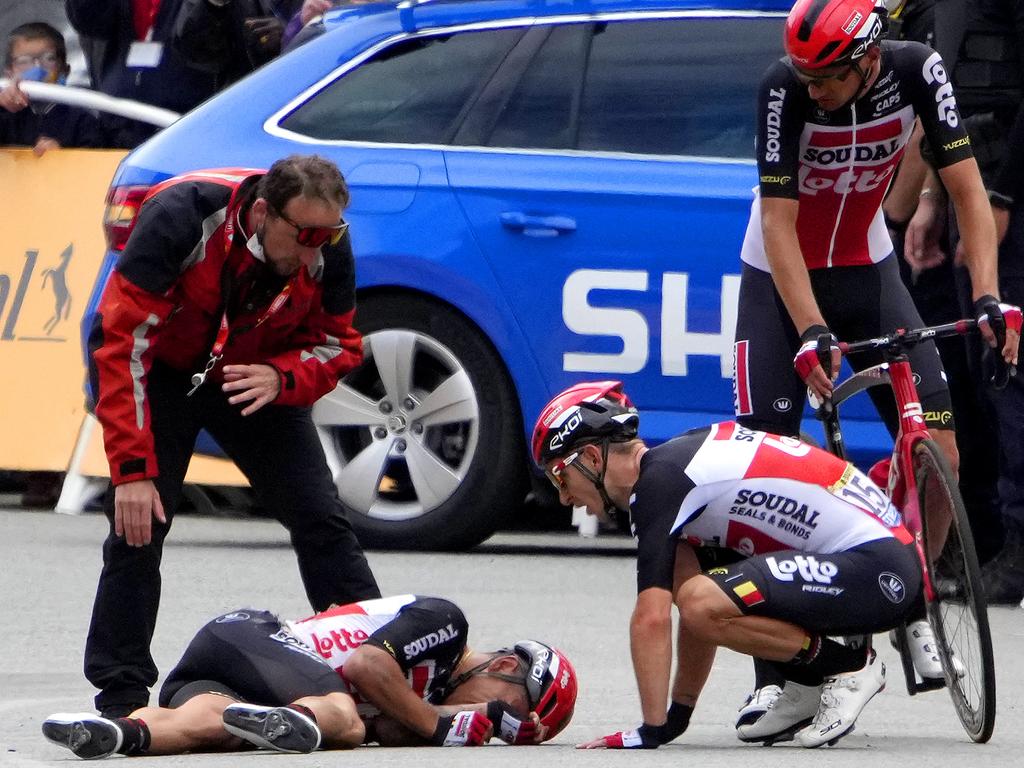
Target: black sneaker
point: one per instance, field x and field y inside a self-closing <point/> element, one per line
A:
<point x="280" y="728"/>
<point x="88" y="736"/>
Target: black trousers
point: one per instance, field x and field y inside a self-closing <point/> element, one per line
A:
<point x="278" y="450"/>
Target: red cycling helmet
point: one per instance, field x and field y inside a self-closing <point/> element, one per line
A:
<point x="585" y="413"/>
<point x="551" y="685"/>
<point x="827" y="33"/>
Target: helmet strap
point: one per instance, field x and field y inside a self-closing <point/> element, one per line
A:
<point x="597" y="478"/>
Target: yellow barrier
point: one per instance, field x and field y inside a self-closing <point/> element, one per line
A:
<point x="51" y="247"/>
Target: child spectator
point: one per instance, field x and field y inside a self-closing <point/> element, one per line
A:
<point x="36" y="51"/>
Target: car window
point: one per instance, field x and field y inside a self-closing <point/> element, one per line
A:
<point x="542" y="109"/>
<point x="412" y="92"/>
<point x="667" y="86"/>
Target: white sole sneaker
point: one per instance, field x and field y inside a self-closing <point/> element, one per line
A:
<point x="843" y="698"/>
<point x="789" y="712"/>
<point x="278" y="728"/>
<point x="89" y="736"/>
<point x="756" y="705"/>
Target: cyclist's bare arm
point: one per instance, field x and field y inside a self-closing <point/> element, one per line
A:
<point x="693" y="657"/>
<point x="650" y="641"/>
<point x="789" y="272"/>
<point x="978" y="237"/>
<point x="974" y="219"/>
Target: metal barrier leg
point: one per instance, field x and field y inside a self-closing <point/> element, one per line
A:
<point x="78" y="490"/>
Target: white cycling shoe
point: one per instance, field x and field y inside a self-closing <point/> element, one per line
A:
<point x="757" y="703"/>
<point x="789" y="711"/>
<point x="924" y="651"/>
<point x="843" y="698"/>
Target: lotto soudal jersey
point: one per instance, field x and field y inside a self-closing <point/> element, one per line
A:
<point x="425" y="635"/>
<point x="755" y="493"/>
<point x="839" y="164"/>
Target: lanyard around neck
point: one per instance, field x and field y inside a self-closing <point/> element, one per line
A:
<point x="224" y="330"/>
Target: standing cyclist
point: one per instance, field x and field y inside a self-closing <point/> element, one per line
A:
<point x="821" y="551"/>
<point x="834" y="117"/>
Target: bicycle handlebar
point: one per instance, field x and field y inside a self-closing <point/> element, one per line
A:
<point x="901" y="340"/>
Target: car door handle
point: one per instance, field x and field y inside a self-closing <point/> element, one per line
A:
<point x="537" y="226"/>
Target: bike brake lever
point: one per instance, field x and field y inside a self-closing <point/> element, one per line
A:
<point x="1003" y="372"/>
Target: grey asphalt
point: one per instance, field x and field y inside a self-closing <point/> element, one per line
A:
<point x="573" y="592"/>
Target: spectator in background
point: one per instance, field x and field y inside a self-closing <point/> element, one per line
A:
<point x="310" y="10"/>
<point x="36" y="51"/>
<point x="231" y="38"/>
<point x="14" y="13"/>
<point x="932" y="285"/>
<point x="982" y="43"/>
<point x="138" y="61"/>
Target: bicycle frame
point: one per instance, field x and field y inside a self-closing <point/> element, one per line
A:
<point x="897" y="373"/>
<point x="902" y="487"/>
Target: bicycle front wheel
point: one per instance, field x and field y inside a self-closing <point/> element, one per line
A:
<point x="958" y="614"/>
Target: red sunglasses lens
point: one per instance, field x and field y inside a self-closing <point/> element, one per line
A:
<point x="314" y="237"/>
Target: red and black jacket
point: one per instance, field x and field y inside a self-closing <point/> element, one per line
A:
<point x="166" y="296"/>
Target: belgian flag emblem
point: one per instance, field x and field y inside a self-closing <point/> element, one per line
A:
<point x="748" y="593"/>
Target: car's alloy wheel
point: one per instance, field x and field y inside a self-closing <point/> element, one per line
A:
<point x="403" y="433"/>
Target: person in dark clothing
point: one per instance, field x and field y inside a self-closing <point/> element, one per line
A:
<point x="983" y="43"/>
<point x="36" y="51"/>
<point x="245" y="279"/>
<point x="933" y="287"/>
<point x="138" y="61"/>
<point x="231" y="38"/>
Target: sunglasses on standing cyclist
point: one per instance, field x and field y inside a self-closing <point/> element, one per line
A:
<point x="314" y="237"/>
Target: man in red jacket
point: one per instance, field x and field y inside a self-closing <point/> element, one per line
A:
<point x="229" y="310"/>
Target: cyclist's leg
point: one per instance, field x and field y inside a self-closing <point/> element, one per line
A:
<point x="768" y="395"/>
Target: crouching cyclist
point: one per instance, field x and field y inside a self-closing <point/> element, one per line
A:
<point x="813" y="547"/>
<point x="396" y="671"/>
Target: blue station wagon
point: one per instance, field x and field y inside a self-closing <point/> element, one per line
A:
<point x="542" y="192"/>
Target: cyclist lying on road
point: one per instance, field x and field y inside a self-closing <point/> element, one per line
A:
<point x="822" y="552"/>
<point x="396" y="671"/>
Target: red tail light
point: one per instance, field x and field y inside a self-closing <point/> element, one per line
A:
<point x="123" y="205"/>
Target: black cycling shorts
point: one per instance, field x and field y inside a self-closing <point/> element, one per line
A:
<point x="871" y="588"/>
<point x="249" y="656"/>
<point x="857" y="303"/>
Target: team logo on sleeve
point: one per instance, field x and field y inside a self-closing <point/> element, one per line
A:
<point x="935" y="74"/>
<point x="431" y="640"/>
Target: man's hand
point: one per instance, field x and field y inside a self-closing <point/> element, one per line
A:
<point x="511" y="729"/>
<point x="644" y="737"/>
<point x="43" y="144"/>
<point x="135" y="505"/>
<point x="259" y="383"/>
<point x="312" y="8"/>
<point x="808" y="365"/>
<point x="993" y="317"/>
<point x="921" y="243"/>
<point x="12" y="98"/>
<point x="463" y="729"/>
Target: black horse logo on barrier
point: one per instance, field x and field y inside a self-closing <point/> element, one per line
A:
<point x="61" y="295"/>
